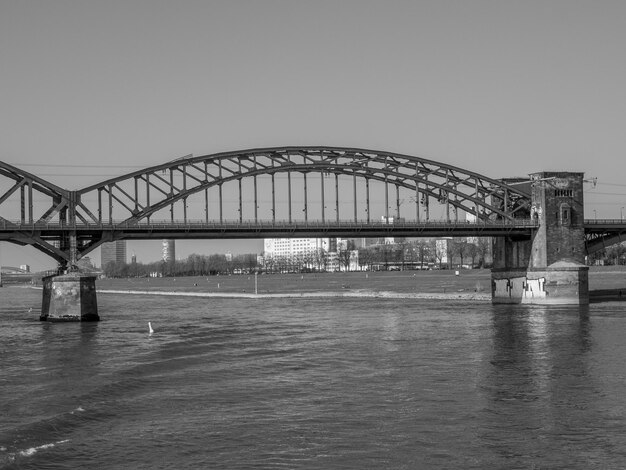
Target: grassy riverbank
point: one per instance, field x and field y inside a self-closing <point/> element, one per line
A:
<point x="469" y="284"/>
<point x="380" y="283"/>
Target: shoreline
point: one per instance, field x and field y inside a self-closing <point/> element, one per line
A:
<point x="474" y="296"/>
<point x="441" y="285"/>
<point x="596" y="296"/>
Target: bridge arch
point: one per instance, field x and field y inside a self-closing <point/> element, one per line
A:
<point x="357" y="182"/>
<point x="140" y="195"/>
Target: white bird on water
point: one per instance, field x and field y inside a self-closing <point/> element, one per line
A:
<point x="150" y="330"/>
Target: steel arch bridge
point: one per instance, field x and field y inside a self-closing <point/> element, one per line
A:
<point x="258" y="193"/>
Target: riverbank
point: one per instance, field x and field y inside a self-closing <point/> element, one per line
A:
<point x="386" y="295"/>
<point x="470" y="285"/>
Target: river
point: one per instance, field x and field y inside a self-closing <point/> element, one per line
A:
<point x="312" y="384"/>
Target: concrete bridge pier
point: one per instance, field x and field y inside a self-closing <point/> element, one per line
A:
<point x="69" y="297"/>
<point x="549" y="268"/>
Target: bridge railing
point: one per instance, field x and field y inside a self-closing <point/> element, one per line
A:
<point x="605" y="221"/>
<point x="7" y="225"/>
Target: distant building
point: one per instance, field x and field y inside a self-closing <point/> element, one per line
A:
<point x="275" y="247"/>
<point x="12" y="270"/>
<point x="441" y="248"/>
<point x="471" y="219"/>
<point x="169" y="250"/>
<point x="364" y="242"/>
<point x="25" y="268"/>
<point x="391" y="221"/>
<point x="113" y="251"/>
<point x="303" y="247"/>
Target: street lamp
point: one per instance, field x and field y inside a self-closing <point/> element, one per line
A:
<point x="621" y="214"/>
<point x="594" y="214"/>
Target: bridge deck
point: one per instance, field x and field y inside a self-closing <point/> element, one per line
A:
<point x="604" y="224"/>
<point x="269" y="229"/>
<point x="11" y="230"/>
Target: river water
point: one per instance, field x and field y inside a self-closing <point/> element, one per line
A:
<point x="312" y="384"/>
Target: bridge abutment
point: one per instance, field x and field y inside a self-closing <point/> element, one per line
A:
<point x="69" y="297"/>
<point x="549" y="268"/>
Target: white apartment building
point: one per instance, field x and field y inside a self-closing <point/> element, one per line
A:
<point x="289" y="247"/>
<point x="275" y="247"/>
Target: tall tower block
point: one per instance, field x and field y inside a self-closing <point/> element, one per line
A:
<point x="169" y="250"/>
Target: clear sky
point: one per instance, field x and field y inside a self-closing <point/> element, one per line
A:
<point x="503" y="88"/>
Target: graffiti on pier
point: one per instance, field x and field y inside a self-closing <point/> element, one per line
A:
<point x="520" y="287"/>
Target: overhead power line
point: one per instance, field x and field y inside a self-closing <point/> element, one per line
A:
<point x="77" y="174"/>
<point x="589" y="193"/>
<point x="612" y="184"/>
<point x="59" y="165"/>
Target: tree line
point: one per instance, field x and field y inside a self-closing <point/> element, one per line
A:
<point x="427" y="253"/>
<point x="614" y="255"/>
<point x="420" y="253"/>
<point x="194" y="265"/>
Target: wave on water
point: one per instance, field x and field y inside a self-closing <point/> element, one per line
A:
<point x="58" y="424"/>
<point x="10" y="457"/>
<point x="33" y="450"/>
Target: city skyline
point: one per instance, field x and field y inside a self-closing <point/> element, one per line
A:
<point x="95" y="90"/>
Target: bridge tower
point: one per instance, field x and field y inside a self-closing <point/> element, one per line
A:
<point x="548" y="269"/>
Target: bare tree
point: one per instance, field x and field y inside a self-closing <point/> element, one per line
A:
<point x="269" y="263"/>
<point x="460" y="249"/>
<point x="451" y="250"/>
<point x="344" y="252"/>
<point x="403" y="247"/>
<point x="365" y="258"/>
<point x="482" y="247"/>
<point x="424" y="250"/>
<point x="440" y="252"/>
<point x="472" y="252"/>
<point x="322" y="259"/>
<point x="616" y="254"/>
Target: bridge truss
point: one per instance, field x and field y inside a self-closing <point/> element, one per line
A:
<point x="274" y="192"/>
<point x="600" y="234"/>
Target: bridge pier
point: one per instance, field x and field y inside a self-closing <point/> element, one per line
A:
<point x="549" y="268"/>
<point x="69" y="297"/>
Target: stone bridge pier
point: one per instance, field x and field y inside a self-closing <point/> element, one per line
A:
<point x="549" y="268"/>
<point x="69" y="297"/>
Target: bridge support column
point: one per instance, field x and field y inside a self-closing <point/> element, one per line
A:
<point x="69" y="297"/>
<point x="549" y="268"/>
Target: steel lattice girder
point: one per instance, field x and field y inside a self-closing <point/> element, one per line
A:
<point x="176" y="180"/>
<point x="599" y="236"/>
<point x="58" y="198"/>
<point x="57" y="203"/>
